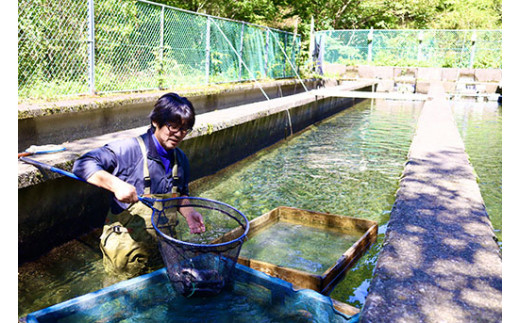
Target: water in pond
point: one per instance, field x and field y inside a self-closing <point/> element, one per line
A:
<point x="349" y="164"/>
<point x="68" y="271"/>
<point x="480" y="126"/>
<point x="294" y="246"/>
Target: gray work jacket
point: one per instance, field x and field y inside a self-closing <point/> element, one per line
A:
<point x="124" y="159"/>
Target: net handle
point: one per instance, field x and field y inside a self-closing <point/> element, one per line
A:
<point x="41" y="165"/>
<point x="148" y="201"/>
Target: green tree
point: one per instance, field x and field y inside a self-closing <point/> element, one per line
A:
<point x="469" y="14"/>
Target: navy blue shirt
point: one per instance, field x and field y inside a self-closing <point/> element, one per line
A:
<point x="124" y="159"/>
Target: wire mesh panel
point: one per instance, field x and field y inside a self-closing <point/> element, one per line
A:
<point x="275" y="55"/>
<point x="292" y="48"/>
<point x="428" y="48"/>
<point x="449" y="48"/>
<point x="184" y="57"/>
<point x="225" y="50"/>
<point x="395" y="45"/>
<point x="73" y="47"/>
<point x="127" y="44"/>
<point x="488" y="51"/>
<point x="253" y="53"/>
<point x="52" y="48"/>
<point x="199" y="264"/>
<point x="345" y="46"/>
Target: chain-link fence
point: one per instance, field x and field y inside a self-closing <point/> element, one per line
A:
<point x="427" y="48"/>
<point x="72" y="47"/>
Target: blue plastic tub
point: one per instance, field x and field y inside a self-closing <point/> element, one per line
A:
<point x="254" y="297"/>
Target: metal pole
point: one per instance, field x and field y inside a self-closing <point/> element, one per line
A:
<point x="240" y="52"/>
<point x="161" y="51"/>
<point x="266" y="51"/>
<point x="208" y="48"/>
<point x="369" y="40"/>
<point x="419" y="48"/>
<point x="91" y="48"/>
<point x="473" y="49"/>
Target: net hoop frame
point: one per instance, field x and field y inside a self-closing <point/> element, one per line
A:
<point x="150" y="201"/>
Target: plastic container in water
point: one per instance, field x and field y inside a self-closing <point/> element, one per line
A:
<point x="252" y="297"/>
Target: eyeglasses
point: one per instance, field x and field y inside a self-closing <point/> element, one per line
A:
<point x="175" y="129"/>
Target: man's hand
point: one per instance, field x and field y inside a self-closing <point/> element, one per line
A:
<point x="123" y="191"/>
<point x="195" y="222"/>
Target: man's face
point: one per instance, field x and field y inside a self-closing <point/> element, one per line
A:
<point x="170" y="135"/>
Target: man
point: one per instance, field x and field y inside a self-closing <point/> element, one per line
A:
<point x="149" y="165"/>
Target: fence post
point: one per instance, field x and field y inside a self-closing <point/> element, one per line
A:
<point x="473" y="49"/>
<point x="266" y="51"/>
<point x="161" y="51"/>
<point x="369" y="41"/>
<point x="208" y="48"/>
<point x="240" y="52"/>
<point x="420" y="37"/>
<point x="312" y="46"/>
<point x="284" y="58"/>
<point x="91" y="48"/>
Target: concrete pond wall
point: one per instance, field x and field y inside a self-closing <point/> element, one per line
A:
<point x="67" y="120"/>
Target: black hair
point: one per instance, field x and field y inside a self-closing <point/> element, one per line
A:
<point x="174" y="109"/>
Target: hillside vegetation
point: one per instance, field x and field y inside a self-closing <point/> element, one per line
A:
<point x="355" y="14"/>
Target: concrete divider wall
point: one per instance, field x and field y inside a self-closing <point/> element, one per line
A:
<point x="440" y="261"/>
<point x="56" y="211"/>
<point x="56" y="122"/>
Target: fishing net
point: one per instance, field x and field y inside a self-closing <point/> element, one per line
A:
<point x="199" y="264"/>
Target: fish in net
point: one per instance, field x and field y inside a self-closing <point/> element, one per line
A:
<point x="199" y="264"/>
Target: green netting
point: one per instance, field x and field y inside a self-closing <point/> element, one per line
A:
<point x="253" y="52"/>
<point x="429" y="48"/>
<point x="225" y="37"/>
<point x="139" y="45"/>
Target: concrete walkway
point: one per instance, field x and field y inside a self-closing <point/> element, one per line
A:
<point x="440" y="262"/>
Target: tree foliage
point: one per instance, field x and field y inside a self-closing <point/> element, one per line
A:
<point x="53" y="37"/>
<point x="356" y="14"/>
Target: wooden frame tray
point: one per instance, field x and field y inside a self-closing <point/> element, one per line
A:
<point x="325" y="282"/>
